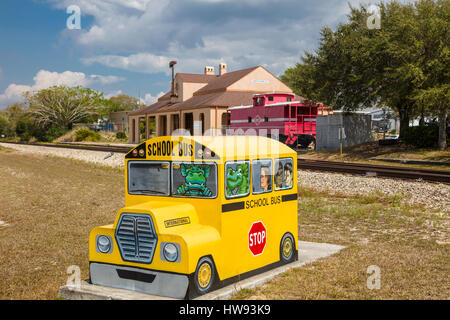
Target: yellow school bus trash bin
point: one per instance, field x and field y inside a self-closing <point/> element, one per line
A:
<point x="200" y="212"/>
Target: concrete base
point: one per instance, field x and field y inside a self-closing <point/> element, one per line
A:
<point x="309" y="252"/>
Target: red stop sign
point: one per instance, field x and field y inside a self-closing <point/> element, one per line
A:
<point x="257" y="238"/>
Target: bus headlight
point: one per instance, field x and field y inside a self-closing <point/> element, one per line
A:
<point x="104" y="244"/>
<point x="170" y="252"/>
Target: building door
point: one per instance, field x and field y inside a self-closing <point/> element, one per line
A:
<point x="162" y="125"/>
<point x="202" y="119"/>
<point x="189" y="122"/>
<point x="225" y="122"/>
<point x="175" y="120"/>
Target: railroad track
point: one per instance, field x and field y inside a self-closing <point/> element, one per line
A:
<point x="90" y="147"/>
<point x="375" y="170"/>
<point x="316" y="165"/>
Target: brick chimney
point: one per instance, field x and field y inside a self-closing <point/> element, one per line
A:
<point x="209" y="70"/>
<point x="222" y="69"/>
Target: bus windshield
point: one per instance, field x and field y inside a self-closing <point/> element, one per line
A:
<point x="148" y="178"/>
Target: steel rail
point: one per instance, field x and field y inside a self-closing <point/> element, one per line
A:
<point x="409" y="173"/>
<point x="375" y="170"/>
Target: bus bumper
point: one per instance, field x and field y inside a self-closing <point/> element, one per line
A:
<point x="147" y="281"/>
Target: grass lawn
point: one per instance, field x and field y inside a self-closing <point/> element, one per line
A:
<point x="49" y="205"/>
<point x="410" y="245"/>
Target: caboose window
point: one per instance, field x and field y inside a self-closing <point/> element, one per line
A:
<point x="148" y="178"/>
<point x="194" y="180"/>
<point x="271" y="98"/>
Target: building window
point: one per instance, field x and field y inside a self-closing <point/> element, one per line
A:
<point x="260" y="101"/>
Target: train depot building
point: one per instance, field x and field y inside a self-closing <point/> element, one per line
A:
<point x="199" y="103"/>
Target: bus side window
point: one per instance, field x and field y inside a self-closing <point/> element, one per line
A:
<point x="237" y="179"/>
<point x="194" y="180"/>
<point x="284" y="174"/>
<point x="262" y="176"/>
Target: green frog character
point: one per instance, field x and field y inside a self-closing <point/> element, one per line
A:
<point x="196" y="177"/>
<point x="237" y="180"/>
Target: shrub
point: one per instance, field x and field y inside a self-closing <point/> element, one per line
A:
<point x="53" y="132"/>
<point x="85" y="134"/>
<point x="422" y="136"/>
<point x="121" y="135"/>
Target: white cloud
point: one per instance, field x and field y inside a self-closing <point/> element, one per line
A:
<point x="143" y="35"/>
<point x="149" y="99"/>
<point x="113" y="94"/>
<point x="142" y="62"/>
<point x="45" y="79"/>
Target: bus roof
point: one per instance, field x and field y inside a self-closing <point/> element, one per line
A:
<point x="221" y="147"/>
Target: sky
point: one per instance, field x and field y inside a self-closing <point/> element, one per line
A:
<point x="124" y="46"/>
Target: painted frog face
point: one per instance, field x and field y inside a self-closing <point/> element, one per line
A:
<point x="195" y="176"/>
<point x="234" y="178"/>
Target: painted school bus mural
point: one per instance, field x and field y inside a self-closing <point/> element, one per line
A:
<point x="200" y="212"/>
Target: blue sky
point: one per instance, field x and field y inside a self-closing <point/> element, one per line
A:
<point x="124" y="46"/>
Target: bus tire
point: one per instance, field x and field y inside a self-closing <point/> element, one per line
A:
<point x="287" y="248"/>
<point x="204" y="276"/>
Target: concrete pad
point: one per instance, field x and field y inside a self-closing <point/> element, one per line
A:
<point x="308" y="252"/>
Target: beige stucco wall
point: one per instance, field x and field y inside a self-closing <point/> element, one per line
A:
<point x="188" y="89"/>
<point x="185" y="90"/>
<point x="260" y="80"/>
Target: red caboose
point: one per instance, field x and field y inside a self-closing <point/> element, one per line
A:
<point x="285" y="115"/>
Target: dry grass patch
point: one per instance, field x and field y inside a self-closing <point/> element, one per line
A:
<point x="50" y="204"/>
<point x="409" y="245"/>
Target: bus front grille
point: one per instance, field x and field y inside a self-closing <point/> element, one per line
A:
<point x="136" y="238"/>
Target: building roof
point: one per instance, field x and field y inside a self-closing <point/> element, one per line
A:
<point x="225" y="80"/>
<point x="214" y="94"/>
<point x="196" y="78"/>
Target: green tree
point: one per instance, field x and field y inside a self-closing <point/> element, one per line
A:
<point x="9" y="118"/>
<point x="122" y="102"/>
<point x="403" y="65"/>
<point x="4" y="124"/>
<point x="63" y="106"/>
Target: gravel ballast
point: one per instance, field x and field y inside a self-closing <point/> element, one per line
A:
<point x="435" y="196"/>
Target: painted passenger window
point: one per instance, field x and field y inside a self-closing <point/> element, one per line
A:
<point x="237" y="179"/>
<point x="262" y="176"/>
<point x="284" y="174"/>
<point x="197" y="180"/>
<point x="148" y="178"/>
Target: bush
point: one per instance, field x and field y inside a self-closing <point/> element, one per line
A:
<point x="121" y="135"/>
<point x="422" y="136"/>
<point x="52" y="132"/>
<point x="85" y="134"/>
